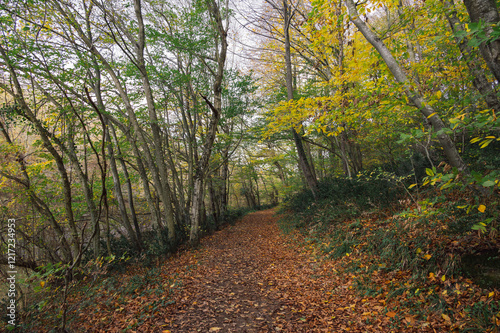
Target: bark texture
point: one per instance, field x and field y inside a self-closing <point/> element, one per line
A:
<point x="486" y="11"/>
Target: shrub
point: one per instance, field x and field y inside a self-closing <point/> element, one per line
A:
<point x="367" y="190"/>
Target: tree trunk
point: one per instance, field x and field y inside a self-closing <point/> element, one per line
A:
<point x="447" y="144"/>
<point x="130" y="193"/>
<point x="119" y="195"/>
<point x="480" y="81"/>
<point x="281" y="173"/>
<point x="155" y="214"/>
<point x="486" y="11"/>
<point x="163" y="187"/>
<point x="216" y="108"/>
<point x="39" y="205"/>
<point x="303" y="163"/>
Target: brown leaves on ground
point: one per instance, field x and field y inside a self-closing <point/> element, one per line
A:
<point x="249" y="278"/>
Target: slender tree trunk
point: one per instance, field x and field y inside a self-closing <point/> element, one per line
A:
<point x="119" y="195"/>
<point x="214" y="202"/>
<point x="201" y="169"/>
<point x="164" y="187"/>
<point x="257" y="191"/>
<point x="155" y="214"/>
<point x="310" y="160"/>
<point x="75" y="244"/>
<point x="130" y="193"/>
<point x="281" y="173"/>
<point x="447" y="144"/>
<point x="303" y="163"/>
<point x="100" y="108"/>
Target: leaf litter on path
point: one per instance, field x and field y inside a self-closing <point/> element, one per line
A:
<point x="249" y="278"/>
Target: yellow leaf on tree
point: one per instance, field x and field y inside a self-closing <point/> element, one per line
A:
<point x="481" y="208"/>
<point x="474" y="140"/>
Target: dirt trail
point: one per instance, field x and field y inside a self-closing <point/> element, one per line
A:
<point x="250" y="280"/>
<point x="245" y="278"/>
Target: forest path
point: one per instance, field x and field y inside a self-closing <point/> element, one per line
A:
<point x="249" y="279"/>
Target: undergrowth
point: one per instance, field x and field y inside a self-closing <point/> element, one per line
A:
<point x="407" y="249"/>
<point x="99" y="291"/>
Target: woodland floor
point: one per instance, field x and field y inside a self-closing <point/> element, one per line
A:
<point x="250" y="280"/>
<point x="248" y="277"/>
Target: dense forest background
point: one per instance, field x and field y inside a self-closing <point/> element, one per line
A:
<point x="130" y="128"/>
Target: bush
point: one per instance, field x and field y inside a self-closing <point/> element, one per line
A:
<point x="366" y="191"/>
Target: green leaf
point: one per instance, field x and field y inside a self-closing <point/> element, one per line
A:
<point x="478" y="227"/>
<point x="489" y="183"/>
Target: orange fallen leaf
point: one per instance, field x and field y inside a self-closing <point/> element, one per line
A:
<point x="391" y="314"/>
<point x="446" y="319"/>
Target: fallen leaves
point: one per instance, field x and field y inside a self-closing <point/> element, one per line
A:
<point x="391" y="314"/>
<point x="237" y="282"/>
<point x="446" y="319"/>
